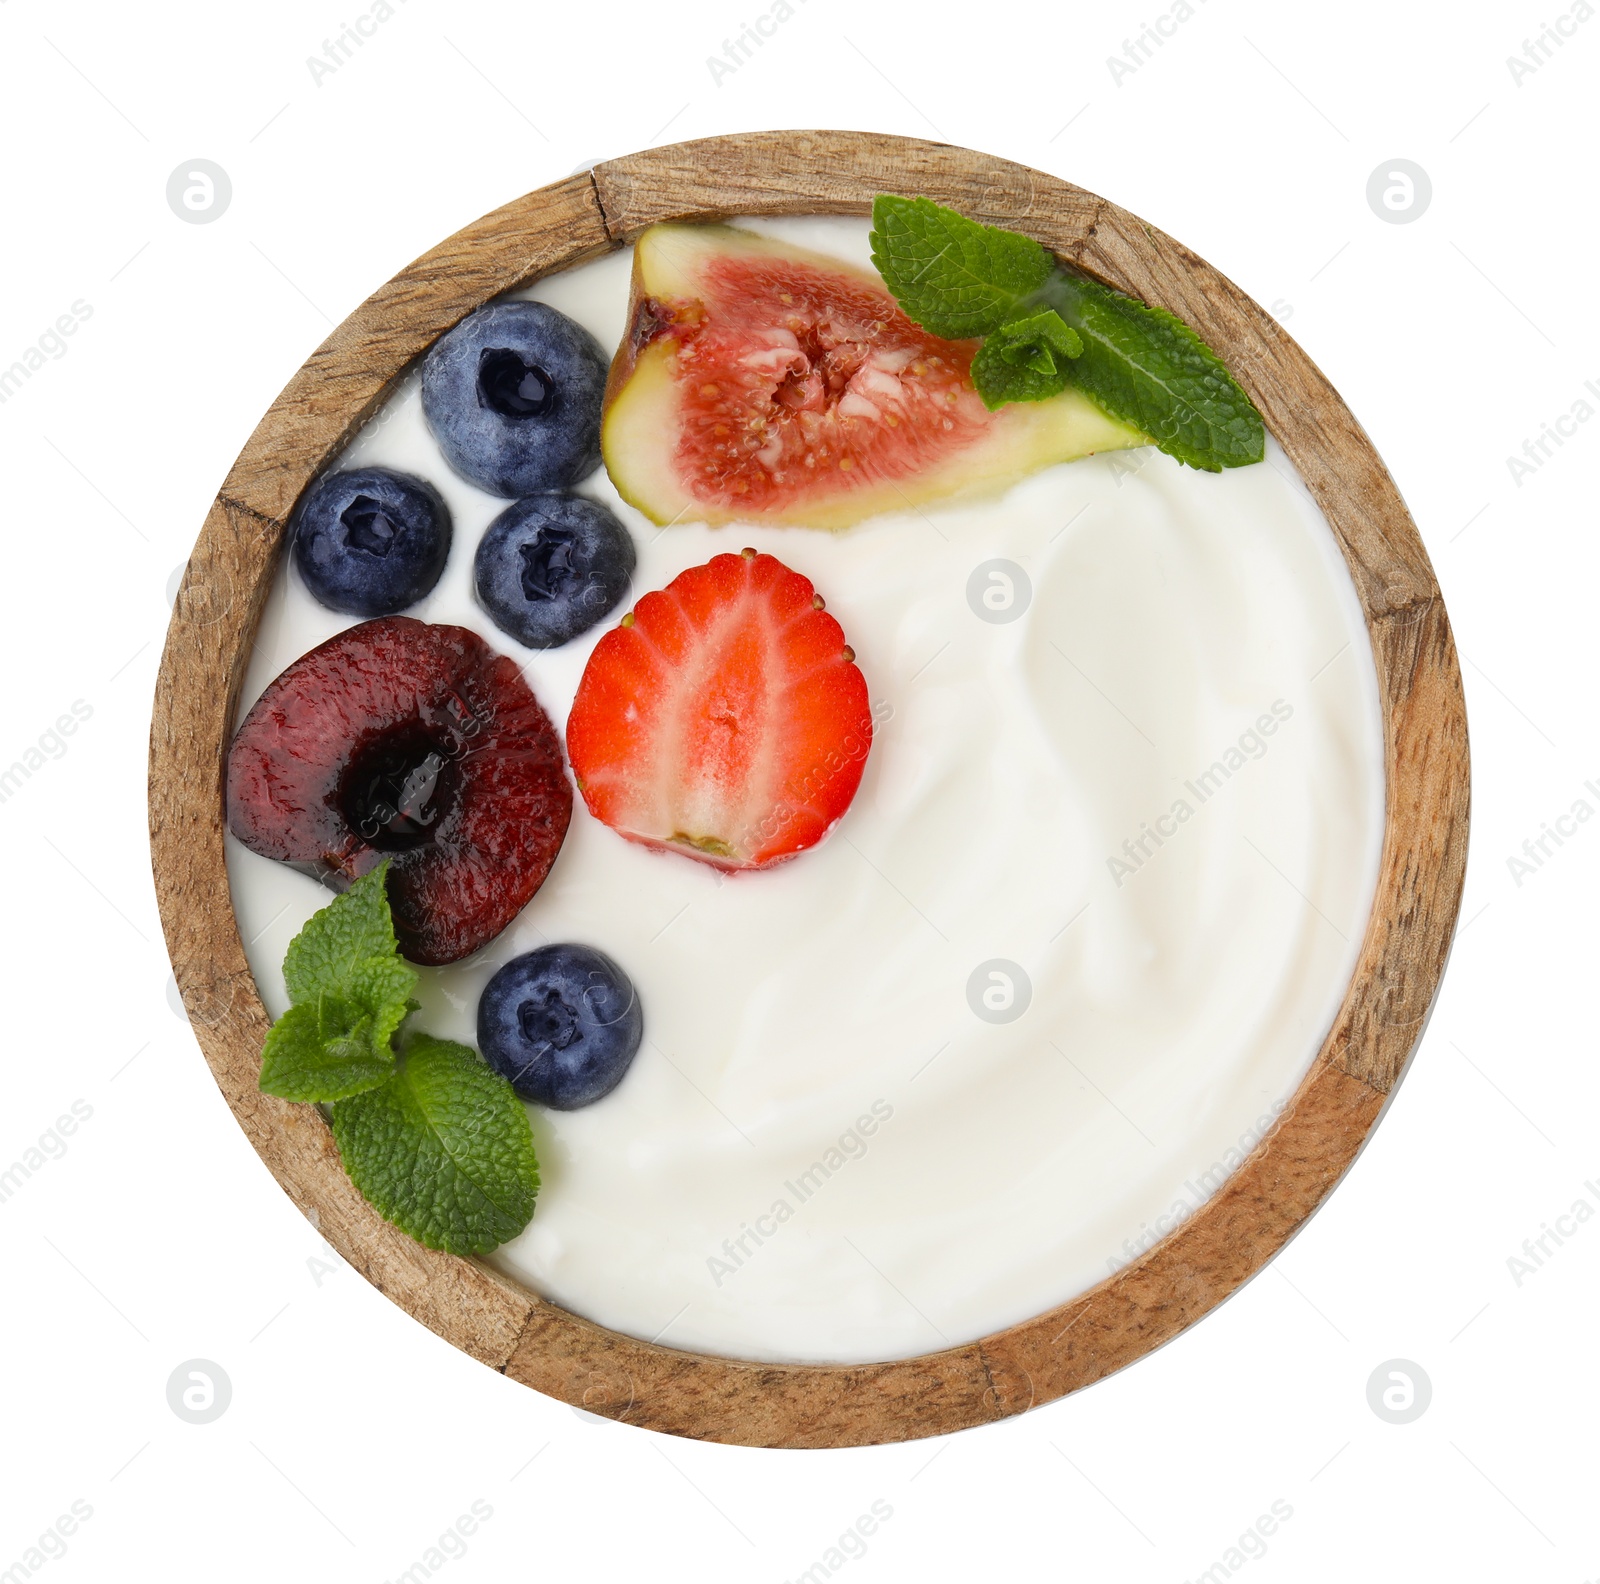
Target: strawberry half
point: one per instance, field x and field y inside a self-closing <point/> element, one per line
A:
<point x="724" y="719"/>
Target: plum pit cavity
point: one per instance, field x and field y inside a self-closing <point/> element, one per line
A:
<point x="398" y="788"/>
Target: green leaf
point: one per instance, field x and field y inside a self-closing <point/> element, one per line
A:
<point x="1149" y="369"/>
<point x="354" y="927"/>
<point x="1047" y="329"/>
<point x="351" y="991"/>
<point x="435" y="1139"/>
<point x="443" y="1150"/>
<point x="325" y="1049"/>
<point x="954" y="276"/>
<point x="1026" y="359"/>
<point x="1000" y="379"/>
<point x="1042" y="334"/>
<point x="382" y="986"/>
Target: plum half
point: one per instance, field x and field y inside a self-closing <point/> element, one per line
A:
<point x="415" y="742"/>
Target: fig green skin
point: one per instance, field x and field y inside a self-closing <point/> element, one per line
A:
<point x="502" y="453"/>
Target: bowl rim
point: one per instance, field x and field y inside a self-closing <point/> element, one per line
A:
<point x="1200" y="1262"/>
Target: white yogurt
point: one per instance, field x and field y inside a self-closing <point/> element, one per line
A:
<point x="1157" y="790"/>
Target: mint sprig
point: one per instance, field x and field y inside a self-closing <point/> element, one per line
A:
<point x="351" y="991"/>
<point x="1026" y="359"/>
<point x="1148" y="368"/>
<point x="1048" y="327"/>
<point x="955" y="277"/>
<point x="356" y="928"/>
<point x="328" y="1049"/>
<point x="432" y="1136"/>
<point x="443" y="1150"/>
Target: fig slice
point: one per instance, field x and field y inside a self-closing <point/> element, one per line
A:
<point x="759" y="382"/>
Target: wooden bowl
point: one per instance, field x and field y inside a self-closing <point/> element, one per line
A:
<point x="1178" y="1280"/>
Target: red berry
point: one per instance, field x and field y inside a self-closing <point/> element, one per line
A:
<point x="397" y="739"/>
<point x="725" y="718"/>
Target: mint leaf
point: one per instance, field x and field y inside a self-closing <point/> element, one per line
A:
<point x="351" y="991"/>
<point x="999" y="379"/>
<point x="954" y="276"/>
<point x="434" y="1138"/>
<point x="1047" y="328"/>
<point x="1026" y="359"/>
<point x="355" y="926"/>
<point x="1146" y="367"/>
<point x="382" y="986"/>
<point x="1043" y="335"/>
<point x="325" y="1049"/>
<point x="443" y="1150"/>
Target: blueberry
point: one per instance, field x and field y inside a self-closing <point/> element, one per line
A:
<point x="512" y="395"/>
<point x="549" y="567"/>
<point x="562" y="1023"/>
<point x="371" y="541"/>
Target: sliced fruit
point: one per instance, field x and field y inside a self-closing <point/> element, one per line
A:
<point x="760" y="382"/>
<point x="725" y="718"/>
<point x="403" y="740"/>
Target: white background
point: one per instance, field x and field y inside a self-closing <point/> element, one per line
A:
<point x="354" y="1437"/>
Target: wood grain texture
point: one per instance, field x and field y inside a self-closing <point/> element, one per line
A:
<point x="1254" y="1213"/>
